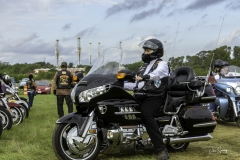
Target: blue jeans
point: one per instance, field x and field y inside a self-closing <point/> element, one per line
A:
<point x="31" y="95"/>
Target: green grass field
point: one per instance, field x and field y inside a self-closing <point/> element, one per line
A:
<point x="31" y="140"/>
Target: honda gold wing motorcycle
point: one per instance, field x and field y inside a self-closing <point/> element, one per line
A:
<point x="108" y="119"/>
<point x="228" y="104"/>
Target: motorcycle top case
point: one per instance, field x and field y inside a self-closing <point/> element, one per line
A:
<point x="192" y="116"/>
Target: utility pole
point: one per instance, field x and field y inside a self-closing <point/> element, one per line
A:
<point x="165" y="51"/>
<point x="79" y="51"/>
<point x="90" y="54"/>
<point x="57" y="52"/>
<point x="98" y="49"/>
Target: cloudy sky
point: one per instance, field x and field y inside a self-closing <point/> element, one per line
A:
<point x="29" y="28"/>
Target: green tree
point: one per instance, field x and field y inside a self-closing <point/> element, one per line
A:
<point x="236" y="53"/>
<point x="70" y="65"/>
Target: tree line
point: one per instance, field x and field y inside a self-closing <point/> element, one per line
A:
<point x="19" y="71"/>
<point x="200" y="63"/>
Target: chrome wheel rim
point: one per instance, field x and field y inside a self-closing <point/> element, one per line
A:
<point x="72" y="146"/>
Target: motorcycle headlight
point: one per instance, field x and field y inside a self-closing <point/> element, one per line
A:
<point x="237" y="90"/>
<point x="87" y="95"/>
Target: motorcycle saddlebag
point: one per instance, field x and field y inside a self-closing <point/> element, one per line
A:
<point x="197" y="120"/>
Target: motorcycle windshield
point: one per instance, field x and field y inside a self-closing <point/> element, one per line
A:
<point x="230" y="72"/>
<point x="105" y="68"/>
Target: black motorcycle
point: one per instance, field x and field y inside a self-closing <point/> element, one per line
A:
<point x="108" y="119"/>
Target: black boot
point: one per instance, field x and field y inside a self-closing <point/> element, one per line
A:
<point x="163" y="155"/>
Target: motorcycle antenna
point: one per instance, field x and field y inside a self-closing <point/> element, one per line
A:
<point x="214" y="52"/>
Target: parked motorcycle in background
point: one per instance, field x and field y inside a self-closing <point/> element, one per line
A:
<point x="11" y="95"/>
<point x="5" y="115"/>
<point x="228" y="104"/>
<point x="108" y="118"/>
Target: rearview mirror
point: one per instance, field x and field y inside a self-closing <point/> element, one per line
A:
<point x="126" y="75"/>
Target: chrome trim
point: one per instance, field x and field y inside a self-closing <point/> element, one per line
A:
<point x="122" y="113"/>
<point x="88" y="124"/>
<point x="207" y="124"/>
<point x="187" y="139"/>
<point x="211" y="97"/>
<point x="234" y="108"/>
<point x="177" y="108"/>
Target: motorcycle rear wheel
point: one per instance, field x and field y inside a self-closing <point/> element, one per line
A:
<point x="179" y="147"/>
<point x="64" y="151"/>
<point x="6" y="118"/>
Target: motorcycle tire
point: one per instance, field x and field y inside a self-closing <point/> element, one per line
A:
<point x="6" y="117"/>
<point x="238" y="120"/>
<point x="17" y="115"/>
<point x="24" y="110"/>
<point x="25" y="102"/>
<point x="64" y="152"/>
<point x="179" y="147"/>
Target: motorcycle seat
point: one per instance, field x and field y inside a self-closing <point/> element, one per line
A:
<point x="177" y="92"/>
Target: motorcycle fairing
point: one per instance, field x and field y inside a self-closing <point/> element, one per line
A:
<point x="222" y="86"/>
<point x="222" y="102"/>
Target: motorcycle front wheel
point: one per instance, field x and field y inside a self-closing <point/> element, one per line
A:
<point x="6" y="118"/>
<point x="17" y="115"/>
<point x="238" y="120"/>
<point x="1" y="126"/>
<point x="67" y="145"/>
<point x="24" y="110"/>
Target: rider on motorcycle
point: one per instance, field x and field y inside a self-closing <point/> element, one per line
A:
<point x="216" y="73"/>
<point x="224" y="69"/>
<point x="216" y="64"/>
<point x="154" y="70"/>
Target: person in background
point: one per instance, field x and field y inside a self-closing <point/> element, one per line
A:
<point x="62" y="87"/>
<point x="31" y="89"/>
<point x="156" y="71"/>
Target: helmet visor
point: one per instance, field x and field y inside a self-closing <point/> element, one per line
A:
<point x="148" y="44"/>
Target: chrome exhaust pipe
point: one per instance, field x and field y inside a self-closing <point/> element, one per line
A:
<point x="187" y="139"/>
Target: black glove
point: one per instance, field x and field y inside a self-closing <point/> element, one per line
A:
<point x="54" y="91"/>
<point x="145" y="77"/>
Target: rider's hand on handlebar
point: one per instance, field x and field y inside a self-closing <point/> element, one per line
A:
<point x="138" y="78"/>
<point x="143" y="78"/>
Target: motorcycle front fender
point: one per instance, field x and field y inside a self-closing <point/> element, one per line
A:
<point x="75" y="118"/>
<point x="222" y="102"/>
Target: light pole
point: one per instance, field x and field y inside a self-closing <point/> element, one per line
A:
<point x="90" y="53"/>
<point x="165" y="51"/>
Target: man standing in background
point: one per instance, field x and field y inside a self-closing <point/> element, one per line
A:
<point x="62" y="84"/>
